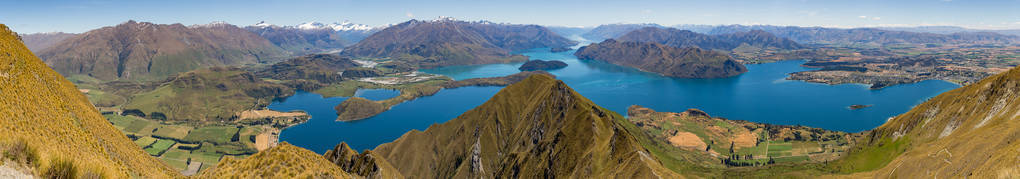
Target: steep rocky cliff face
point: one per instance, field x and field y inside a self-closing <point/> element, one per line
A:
<point x="438" y="43"/>
<point x="666" y="60"/>
<point x="54" y="129"/>
<point x="535" y="128"/>
<point x="147" y="51"/>
<point x="967" y="132"/>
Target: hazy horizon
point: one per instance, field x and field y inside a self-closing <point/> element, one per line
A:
<point x="80" y="16"/>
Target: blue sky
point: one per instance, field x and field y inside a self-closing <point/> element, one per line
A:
<point x="30" y="16"/>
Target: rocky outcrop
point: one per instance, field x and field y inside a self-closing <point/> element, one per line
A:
<point x="356" y="108"/>
<point x="536" y="64"/>
<point x="662" y="59"/>
<point x="364" y="164"/>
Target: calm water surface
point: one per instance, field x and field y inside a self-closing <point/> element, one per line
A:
<point x="760" y="95"/>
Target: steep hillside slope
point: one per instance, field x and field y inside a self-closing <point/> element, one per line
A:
<point x="967" y="132"/>
<point x="57" y="125"/>
<point x="147" y="51"/>
<point x="535" y="128"/>
<point x="688" y="62"/>
<point x="446" y="42"/>
<point x="40" y="41"/>
<point x="282" y="161"/>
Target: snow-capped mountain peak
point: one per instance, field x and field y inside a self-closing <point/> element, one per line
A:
<point x="311" y="26"/>
<point x="263" y="24"/>
<point x="212" y="24"/>
<point x="444" y="18"/>
<point x="339" y="26"/>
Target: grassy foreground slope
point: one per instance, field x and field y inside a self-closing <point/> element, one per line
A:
<point x="282" y="161"/>
<point x="535" y="128"/>
<point x="972" y="131"/>
<point x="45" y="113"/>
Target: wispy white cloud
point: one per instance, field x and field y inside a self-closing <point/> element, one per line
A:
<point x="409" y="15"/>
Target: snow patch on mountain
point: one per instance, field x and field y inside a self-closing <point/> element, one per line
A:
<point x="337" y="26"/>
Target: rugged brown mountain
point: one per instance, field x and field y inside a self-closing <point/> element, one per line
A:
<point x="685" y="38"/>
<point x="448" y="42"/>
<point x="535" y="128"/>
<point x="147" y="51"/>
<point x="40" y="41"/>
<point x="689" y="62"/>
<point x="49" y="129"/>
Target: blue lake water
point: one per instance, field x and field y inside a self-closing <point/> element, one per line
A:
<point x="322" y="132"/>
<point x="760" y="95"/>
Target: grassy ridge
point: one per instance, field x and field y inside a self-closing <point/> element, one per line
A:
<point x="41" y="108"/>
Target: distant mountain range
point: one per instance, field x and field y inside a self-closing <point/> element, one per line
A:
<point x="821" y="35"/>
<point x="948" y="30"/>
<point x="609" y="31"/>
<point x="824" y="35"/>
<point x="39" y="41"/>
<point x="313" y="37"/>
<point x="446" y="41"/>
<point x="141" y="50"/>
<point x="726" y="42"/>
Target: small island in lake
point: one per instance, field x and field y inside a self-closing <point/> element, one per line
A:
<point x="859" y="106"/>
<point x="534" y="65"/>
